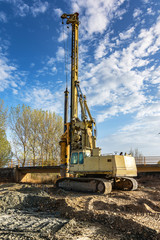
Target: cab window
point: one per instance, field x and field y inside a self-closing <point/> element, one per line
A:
<point x="74" y="158"/>
<point x="81" y="158"/>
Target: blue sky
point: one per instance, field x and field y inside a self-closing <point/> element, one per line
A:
<point x="119" y="66"/>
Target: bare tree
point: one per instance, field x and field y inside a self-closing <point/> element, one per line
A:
<point x="19" y="120"/>
<point x="36" y="135"/>
<point x="137" y="155"/>
<point x="50" y="133"/>
<point x="36" y="118"/>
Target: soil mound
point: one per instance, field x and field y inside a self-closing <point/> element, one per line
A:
<point x="43" y="212"/>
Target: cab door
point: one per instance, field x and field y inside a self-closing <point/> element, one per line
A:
<point x="81" y="161"/>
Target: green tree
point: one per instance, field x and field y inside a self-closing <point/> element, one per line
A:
<point x="5" y="148"/>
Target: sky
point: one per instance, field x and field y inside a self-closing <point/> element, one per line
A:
<point x="119" y="64"/>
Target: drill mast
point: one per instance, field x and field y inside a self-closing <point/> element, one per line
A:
<point x="81" y="131"/>
<point x="73" y="19"/>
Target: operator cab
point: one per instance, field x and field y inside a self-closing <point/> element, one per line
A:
<point x="77" y="157"/>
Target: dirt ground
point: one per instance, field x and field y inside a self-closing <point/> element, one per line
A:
<point x="30" y="211"/>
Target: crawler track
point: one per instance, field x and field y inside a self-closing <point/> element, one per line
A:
<point x="126" y="184"/>
<point x="94" y="185"/>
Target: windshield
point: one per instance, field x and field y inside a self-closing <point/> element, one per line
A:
<point x="74" y="158"/>
<point x="81" y="158"/>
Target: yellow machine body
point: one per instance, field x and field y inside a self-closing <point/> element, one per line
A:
<point x="111" y="165"/>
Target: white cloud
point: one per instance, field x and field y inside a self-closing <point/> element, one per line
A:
<point x="63" y="36"/>
<point x="127" y="34"/>
<point x="152" y="109"/>
<point x="149" y="41"/>
<point x="49" y="66"/>
<point x="154" y="74"/>
<point x="120" y="13"/>
<point x="58" y="12"/>
<point x="104" y="46"/>
<point x="54" y="69"/>
<point x="6" y="73"/>
<point x="10" y="75"/>
<point x="115" y="82"/>
<point x="100" y="51"/>
<point x="51" y="61"/>
<point x="39" y="7"/>
<point x="150" y="11"/>
<point x="21" y="8"/>
<point x="118" y="83"/>
<point x="123" y="103"/>
<point x="97" y="16"/>
<point x="141" y="134"/>
<point x="42" y="98"/>
<point x="137" y="12"/>
<point x="3" y="17"/>
<point x="15" y="91"/>
<point x="60" y="54"/>
<point x="40" y="95"/>
<point x="145" y="1"/>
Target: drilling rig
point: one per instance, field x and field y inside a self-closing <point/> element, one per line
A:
<point x="83" y="166"/>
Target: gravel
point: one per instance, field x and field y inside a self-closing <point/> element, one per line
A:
<point x="30" y="211"/>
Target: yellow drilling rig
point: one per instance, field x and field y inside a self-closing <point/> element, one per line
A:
<point x="80" y="158"/>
